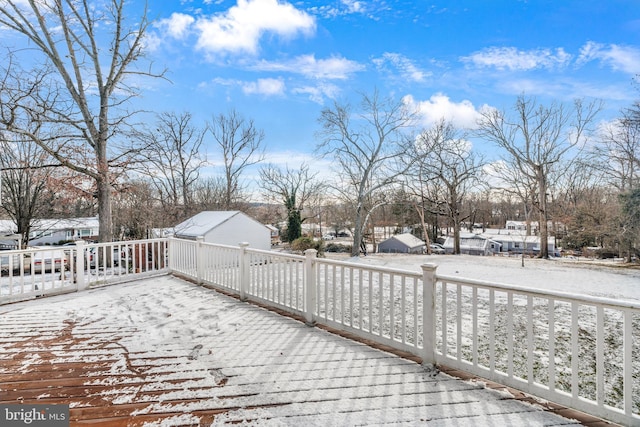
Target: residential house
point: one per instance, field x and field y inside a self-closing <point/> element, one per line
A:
<point x="472" y="244"/>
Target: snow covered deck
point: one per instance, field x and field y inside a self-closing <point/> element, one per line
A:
<point x="167" y="352"/>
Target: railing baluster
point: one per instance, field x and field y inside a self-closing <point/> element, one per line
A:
<point x="530" y="339"/>
<point x="600" y="355"/>
<point x="381" y="305"/>
<point x="627" y="341"/>
<point x="575" y="351"/>
<point x="492" y="331"/>
<point x="403" y="312"/>
<point x="474" y="317"/>
<point x="370" y="285"/>
<point x="459" y="322"/>
<point x="360" y="303"/>
<point x="552" y="343"/>
<point x="444" y="318"/>
<point x="392" y="311"/>
<point x="510" y="334"/>
<point x="351" y="297"/>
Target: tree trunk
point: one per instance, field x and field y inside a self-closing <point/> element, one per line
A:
<point x="544" y="229"/>
<point x="357" y="233"/>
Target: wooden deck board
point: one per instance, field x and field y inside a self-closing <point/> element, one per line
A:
<point x="164" y="349"/>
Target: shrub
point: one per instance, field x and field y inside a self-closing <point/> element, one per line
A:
<point x="337" y="247"/>
<point x="301" y="244"/>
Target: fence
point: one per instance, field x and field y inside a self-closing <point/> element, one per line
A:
<point x="579" y="351"/>
<point x="36" y="272"/>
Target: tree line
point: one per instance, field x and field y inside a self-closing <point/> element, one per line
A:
<point x="73" y="146"/>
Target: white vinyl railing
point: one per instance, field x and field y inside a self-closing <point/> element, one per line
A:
<point x="582" y="352"/>
<point x="42" y="271"/>
<point x="579" y="351"/>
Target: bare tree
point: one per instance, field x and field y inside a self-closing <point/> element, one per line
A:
<point x="172" y="160"/>
<point x="25" y="170"/>
<point x="618" y="151"/>
<point x="366" y="149"/>
<point x="241" y="144"/>
<point x="294" y="188"/>
<point x="535" y="140"/>
<point x="80" y="87"/>
<point x="442" y="154"/>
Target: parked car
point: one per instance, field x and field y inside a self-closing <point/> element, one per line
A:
<point x="437" y="249"/>
<point x="96" y="252"/>
<point x="49" y="260"/>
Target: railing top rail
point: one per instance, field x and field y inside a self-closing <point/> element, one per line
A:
<point x="125" y="242"/>
<point x="375" y="268"/>
<point x="543" y="293"/>
<point x="278" y="254"/>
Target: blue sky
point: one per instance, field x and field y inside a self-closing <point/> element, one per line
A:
<point x="279" y="63"/>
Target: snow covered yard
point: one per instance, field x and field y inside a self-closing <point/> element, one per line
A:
<point x="165" y="352"/>
<point x="567" y="275"/>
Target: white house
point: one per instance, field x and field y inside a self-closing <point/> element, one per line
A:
<point x="405" y="243"/>
<point x="54" y="231"/>
<point x="225" y="228"/>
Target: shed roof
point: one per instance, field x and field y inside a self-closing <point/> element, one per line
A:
<point x="202" y="223"/>
<point x="407" y="239"/>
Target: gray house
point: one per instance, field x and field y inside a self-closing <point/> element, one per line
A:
<point x="405" y="243"/>
<point x="518" y="242"/>
<point x="225" y="228"/>
<point x="473" y="244"/>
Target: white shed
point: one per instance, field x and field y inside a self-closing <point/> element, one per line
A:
<point x="225" y="228"/>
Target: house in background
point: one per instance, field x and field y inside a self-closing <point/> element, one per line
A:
<point x="275" y="234"/>
<point x="50" y="231"/>
<point x="54" y="231"/>
<point x="225" y="228"/>
<point x="405" y="243"/>
<point x="518" y="242"/>
<point x="473" y="244"/>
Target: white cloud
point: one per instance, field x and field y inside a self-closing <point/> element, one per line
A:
<point x="510" y="58"/>
<point x="621" y="58"/>
<point x="307" y="65"/>
<point x="242" y="26"/>
<point x="439" y="106"/>
<point x="318" y="93"/>
<point x="177" y="25"/>
<point x="353" y="6"/>
<point x="266" y="87"/>
<point x="408" y="70"/>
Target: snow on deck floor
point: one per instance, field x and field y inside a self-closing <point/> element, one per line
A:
<point x="166" y="352"/>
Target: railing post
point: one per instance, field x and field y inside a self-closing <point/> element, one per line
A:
<point x="428" y="314"/>
<point x="310" y="288"/>
<point x="244" y="270"/>
<point x="170" y="254"/>
<point x="199" y="260"/>
<point x="78" y="273"/>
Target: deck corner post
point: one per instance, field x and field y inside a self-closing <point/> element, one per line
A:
<point x="78" y="273"/>
<point x="310" y="286"/>
<point x="200" y="260"/>
<point x="428" y="314"/>
<point x="170" y="249"/>
<point x="244" y="271"/>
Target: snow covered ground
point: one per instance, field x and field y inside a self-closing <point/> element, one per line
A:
<point x="567" y="275"/>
